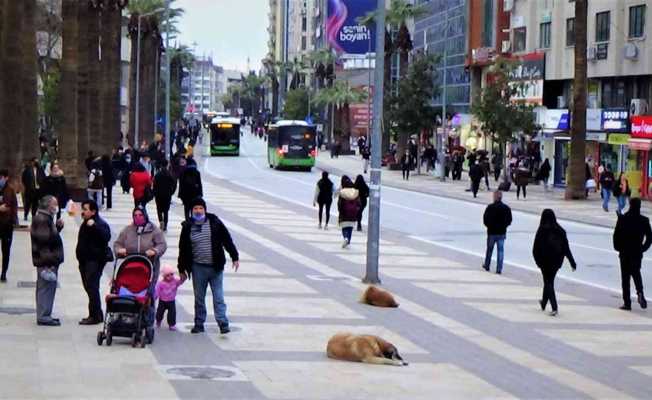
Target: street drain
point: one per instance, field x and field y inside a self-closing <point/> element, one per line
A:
<point x="201" y="372"/>
<point x="16" y="310"/>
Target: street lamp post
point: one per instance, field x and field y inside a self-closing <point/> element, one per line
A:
<point x="373" y="231"/>
<point x="137" y="108"/>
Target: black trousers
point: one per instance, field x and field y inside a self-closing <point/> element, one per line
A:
<point x="475" y="186"/>
<point x="6" y="240"/>
<point x="496" y="174"/>
<point x="363" y="205"/>
<point x="109" y="196"/>
<point x="406" y="173"/>
<point x="186" y="209"/>
<point x="327" y="208"/>
<point x="549" y="288"/>
<point x="630" y="268"/>
<point x="31" y="203"/>
<point x="91" y="272"/>
<point x="171" y="309"/>
<point x="162" y="210"/>
<point x="518" y="191"/>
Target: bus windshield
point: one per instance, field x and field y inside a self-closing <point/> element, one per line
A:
<point x="224" y="134"/>
<point x="296" y="141"/>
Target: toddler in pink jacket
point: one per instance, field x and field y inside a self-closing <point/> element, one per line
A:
<point x="166" y="291"/>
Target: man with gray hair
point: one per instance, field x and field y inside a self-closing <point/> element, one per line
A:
<point x="47" y="255"/>
<point x="497" y="217"/>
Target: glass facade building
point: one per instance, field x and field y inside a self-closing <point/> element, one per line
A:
<point x="443" y="31"/>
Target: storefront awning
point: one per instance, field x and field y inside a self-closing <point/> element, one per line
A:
<point x="640" y="144"/>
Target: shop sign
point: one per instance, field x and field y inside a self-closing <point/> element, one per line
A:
<point x="596" y="136"/>
<point x="619" y="138"/>
<point x="642" y="126"/>
<point x="644" y="145"/>
<point x="557" y="120"/>
<point x="615" y="120"/>
<point x="530" y="72"/>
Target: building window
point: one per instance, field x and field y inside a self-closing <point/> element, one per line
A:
<point x="304" y="24"/>
<point x="519" y="39"/>
<point x="636" y="21"/>
<point x="544" y="35"/>
<point x="303" y="43"/>
<point x="602" y="21"/>
<point x="570" y="32"/>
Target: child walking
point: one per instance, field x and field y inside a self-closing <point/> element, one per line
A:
<point x="166" y="291"/>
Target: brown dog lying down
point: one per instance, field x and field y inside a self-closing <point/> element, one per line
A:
<point x="363" y="348"/>
<point x="378" y="297"/>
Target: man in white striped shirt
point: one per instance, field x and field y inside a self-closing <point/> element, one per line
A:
<point x="201" y="253"/>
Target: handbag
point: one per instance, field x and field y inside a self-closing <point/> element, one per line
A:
<point x="590" y="183"/>
<point x="148" y="195"/>
<point x="109" y="255"/>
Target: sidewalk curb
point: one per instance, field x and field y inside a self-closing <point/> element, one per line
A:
<point x="516" y="207"/>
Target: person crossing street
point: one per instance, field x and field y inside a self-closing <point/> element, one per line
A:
<point x="497" y="217"/>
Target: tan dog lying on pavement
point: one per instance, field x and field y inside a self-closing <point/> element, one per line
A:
<point x="363" y="348"/>
<point x="378" y="297"/>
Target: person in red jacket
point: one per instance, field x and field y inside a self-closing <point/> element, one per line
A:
<point x="141" y="182"/>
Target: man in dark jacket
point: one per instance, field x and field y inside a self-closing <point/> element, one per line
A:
<point x="497" y="217"/>
<point x="108" y="179"/>
<point x="164" y="188"/>
<point x="632" y="237"/>
<point x="47" y="255"/>
<point x="475" y="174"/>
<point x="32" y="178"/>
<point x="8" y="207"/>
<point x="607" y="180"/>
<point x="201" y="254"/>
<point x="92" y="245"/>
<point x="190" y="186"/>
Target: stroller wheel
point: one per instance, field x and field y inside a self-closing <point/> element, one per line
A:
<point x="143" y="341"/>
<point x="100" y="338"/>
<point x="134" y="339"/>
<point x="109" y="339"/>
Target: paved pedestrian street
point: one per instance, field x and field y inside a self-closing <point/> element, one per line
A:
<point x="466" y="333"/>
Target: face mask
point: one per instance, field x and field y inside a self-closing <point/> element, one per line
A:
<point x="139" y="220"/>
<point x="198" y="217"/>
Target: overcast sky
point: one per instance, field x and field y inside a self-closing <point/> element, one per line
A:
<point x="231" y="30"/>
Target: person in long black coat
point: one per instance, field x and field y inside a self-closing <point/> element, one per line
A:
<point x="549" y="250"/>
<point x="164" y="187"/>
<point x="109" y="179"/>
<point x="363" y="193"/>
<point x="190" y="186"/>
<point x="475" y="174"/>
<point x="632" y="237"/>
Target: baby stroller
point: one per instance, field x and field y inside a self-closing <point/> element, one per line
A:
<point x="128" y="302"/>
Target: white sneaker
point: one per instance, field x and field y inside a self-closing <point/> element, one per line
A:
<point x="345" y="244"/>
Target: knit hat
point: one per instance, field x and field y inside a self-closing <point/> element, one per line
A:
<point x="197" y="201"/>
<point x="167" y="269"/>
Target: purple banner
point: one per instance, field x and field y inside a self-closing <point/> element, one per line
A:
<point x="343" y="32"/>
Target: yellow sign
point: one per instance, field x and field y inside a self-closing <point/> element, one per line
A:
<point x="225" y="125"/>
<point x="618" y="138"/>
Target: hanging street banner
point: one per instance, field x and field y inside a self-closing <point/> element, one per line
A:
<point x="343" y="32"/>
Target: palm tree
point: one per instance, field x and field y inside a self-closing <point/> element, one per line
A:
<point x="340" y="96"/>
<point x="577" y="179"/>
<point x="18" y="88"/>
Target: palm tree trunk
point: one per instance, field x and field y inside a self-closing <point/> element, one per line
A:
<point x="133" y="34"/>
<point x="67" y="130"/>
<point x="29" y="111"/>
<point x="12" y="99"/>
<point x="577" y="179"/>
<point x="387" y="77"/>
<point x="94" y="139"/>
<point x="274" y="96"/>
<point x="346" y="129"/>
<point x="111" y="73"/>
<point x="83" y="90"/>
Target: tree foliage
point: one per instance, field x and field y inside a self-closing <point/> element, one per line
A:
<point x="296" y="104"/>
<point x="49" y="105"/>
<point x="499" y="114"/>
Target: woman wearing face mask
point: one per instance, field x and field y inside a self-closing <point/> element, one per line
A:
<point x="142" y="237"/>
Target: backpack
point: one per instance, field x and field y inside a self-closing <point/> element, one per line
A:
<point x="350" y="208"/>
<point x="95" y="179"/>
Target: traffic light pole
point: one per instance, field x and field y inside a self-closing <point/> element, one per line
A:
<point x="373" y="229"/>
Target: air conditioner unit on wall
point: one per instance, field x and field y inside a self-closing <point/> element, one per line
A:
<point x="592" y="53"/>
<point x="638" y="107"/>
<point x="506" y="46"/>
<point x="630" y="51"/>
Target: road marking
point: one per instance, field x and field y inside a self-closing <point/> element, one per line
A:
<point x="517" y="265"/>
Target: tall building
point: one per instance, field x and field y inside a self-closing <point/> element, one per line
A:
<point x="444" y="31"/>
<point x="202" y="90"/>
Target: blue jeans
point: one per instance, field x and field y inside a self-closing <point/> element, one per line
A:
<point x="347" y="233"/>
<point x="606" y="195"/>
<point x="622" y="202"/>
<point x="498" y="240"/>
<point x="202" y="276"/>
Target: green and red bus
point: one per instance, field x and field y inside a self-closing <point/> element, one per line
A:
<point x="291" y="144"/>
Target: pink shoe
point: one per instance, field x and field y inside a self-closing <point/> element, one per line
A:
<point x="173" y="328"/>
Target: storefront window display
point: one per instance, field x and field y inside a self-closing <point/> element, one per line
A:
<point x="562" y="155"/>
<point x="636" y="161"/>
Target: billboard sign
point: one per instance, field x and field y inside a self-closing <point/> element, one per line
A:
<point x="343" y="32"/>
<point x="642" y="126"/>
<point x="615" y="120"/>
<point x="558" y="120"/>
<point x="530" y="70"/>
